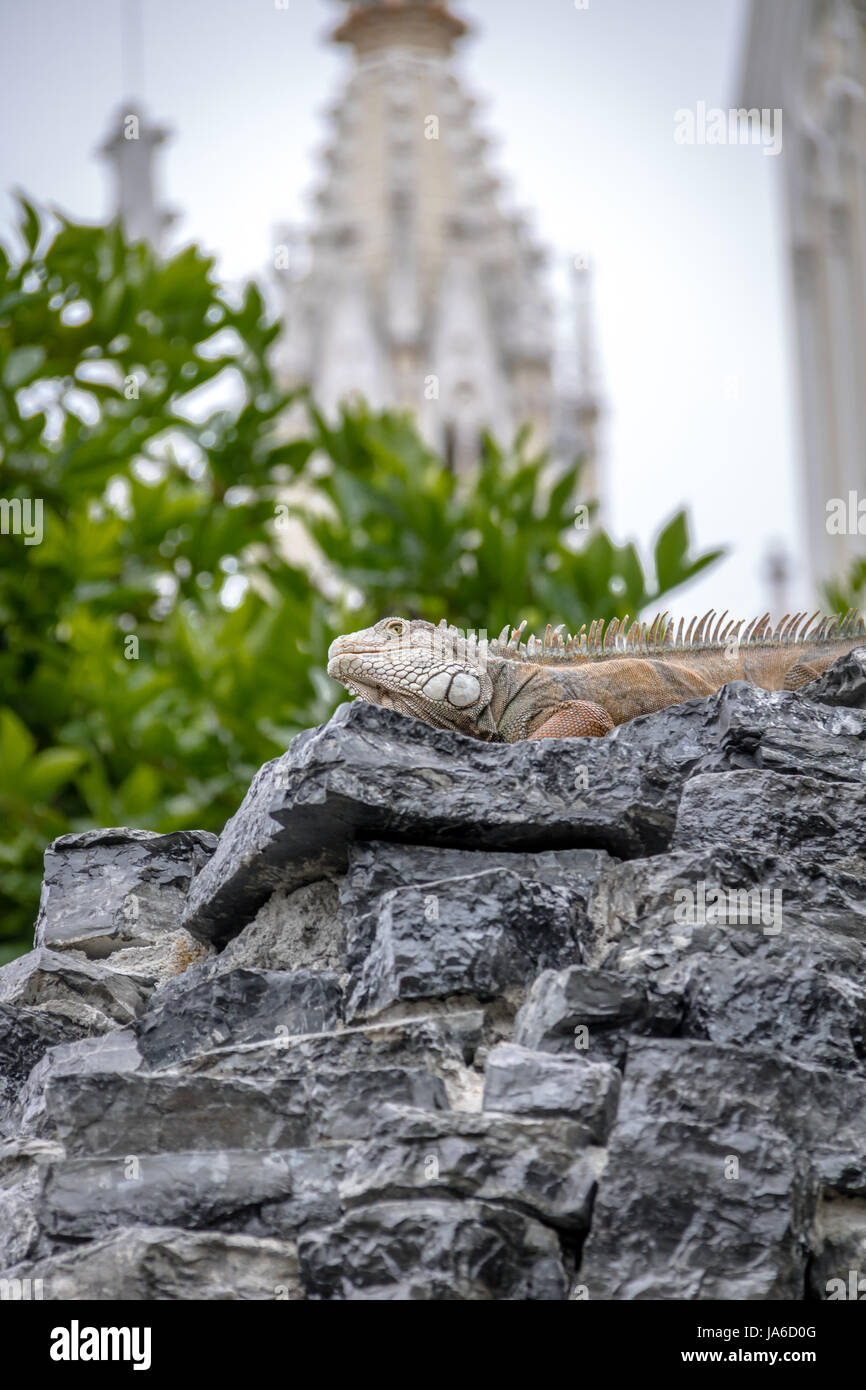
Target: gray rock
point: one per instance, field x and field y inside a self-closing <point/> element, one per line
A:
<point x="148" y="1263"/>
<point x="780" y="731"/>
<point x="194" y="1015"/>
<point x="345" y="1104"/>
<point x="69" y="986"/>
<point x="108" y="889"/>
<point x="844" y="683"/>
<point x="777" y="814"/>
<point x="539" y="1165"/>
<point x="537" y="1083"/>
<point x="150" y="967"/>
<point x="371" y="773"/>
<point x="375" y="868"/>
<point x="594" y="1011"/>
<point x="708" y="1139"/>
<point x="136" y="1113"/>
<point x="311" y="1195"/>
<point x="25" y="1036"/>
<point x="106" y="1053"/>
<point x="787" y="971"/>
<point x="648" y="914"/>
<point x="477" y="935"/>
<point x="111" y="1052"/>
<point x="296" y="930"/>
<point x="219" y="1115"/>
<point x="23" y="1164"/>
<point x="815" y="1016"/>
<point x="269" y="1193"/>
<point x="837" y="1269"/>
<point x="443" y="1045"/>
<point x="442" y="1250"/>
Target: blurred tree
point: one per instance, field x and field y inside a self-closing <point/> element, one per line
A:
<point x="848" y="592"/>
<point x="131" y="693"/>
<point x="158" y="643"/>
<point x="501" y="545"/>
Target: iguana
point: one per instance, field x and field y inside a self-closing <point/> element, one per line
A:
<point x="559" y="686"/>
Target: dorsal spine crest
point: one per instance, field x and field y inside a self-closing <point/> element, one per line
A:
<point x="615" y="639"/>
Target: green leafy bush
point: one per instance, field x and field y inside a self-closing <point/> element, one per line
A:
<point x="496" y="547"/>
<point x="159" y="643"/>
<point x="849" y="591"/>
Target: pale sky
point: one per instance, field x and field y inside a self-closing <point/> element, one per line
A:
<point x="690" y="273"/>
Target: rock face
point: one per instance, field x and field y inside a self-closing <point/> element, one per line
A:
<point x="438" y="1019"/>
<point x="109" y="889"/>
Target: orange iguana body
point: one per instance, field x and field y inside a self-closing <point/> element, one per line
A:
<point x="583" y="686"/>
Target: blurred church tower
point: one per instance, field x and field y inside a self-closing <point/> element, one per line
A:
<point x="133" y="142"/>
<point x="808" y="57"/>
<point x="413" y="287"/>
<point x="130" y="149"/>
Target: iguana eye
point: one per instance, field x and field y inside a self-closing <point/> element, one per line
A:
<point x="396" y="627"/>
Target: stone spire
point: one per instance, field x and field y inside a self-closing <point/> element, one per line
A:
<point x="372" y="25"/>
<point x="132" y="142"/>
<point x="130" y="149"/>
<point x="447" y="290"/>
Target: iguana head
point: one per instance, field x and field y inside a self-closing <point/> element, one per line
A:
<point x="418" y="669"/>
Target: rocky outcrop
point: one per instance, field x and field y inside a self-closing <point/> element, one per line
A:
<point x="438" y="1019"/>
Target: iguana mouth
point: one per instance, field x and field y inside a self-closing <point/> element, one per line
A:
<point x="370" y="693"/>
<point x="349" y="681"/>
<point x="337" y="649"/>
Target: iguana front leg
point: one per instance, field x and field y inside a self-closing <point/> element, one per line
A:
<point x="803" y="673"/>
<point x="575" y="719"/>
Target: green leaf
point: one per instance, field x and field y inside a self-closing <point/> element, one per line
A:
<point x="671" y="547"/>
<point x="22" y="365"/>
<point x="52" y="769"/>
<point x="16" y="745"/>
<point x="29" y="223"/>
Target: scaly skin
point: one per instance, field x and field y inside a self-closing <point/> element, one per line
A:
<point x="583" y="686"/>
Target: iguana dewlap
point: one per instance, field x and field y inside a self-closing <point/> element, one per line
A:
<point x="566" y="687"/>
